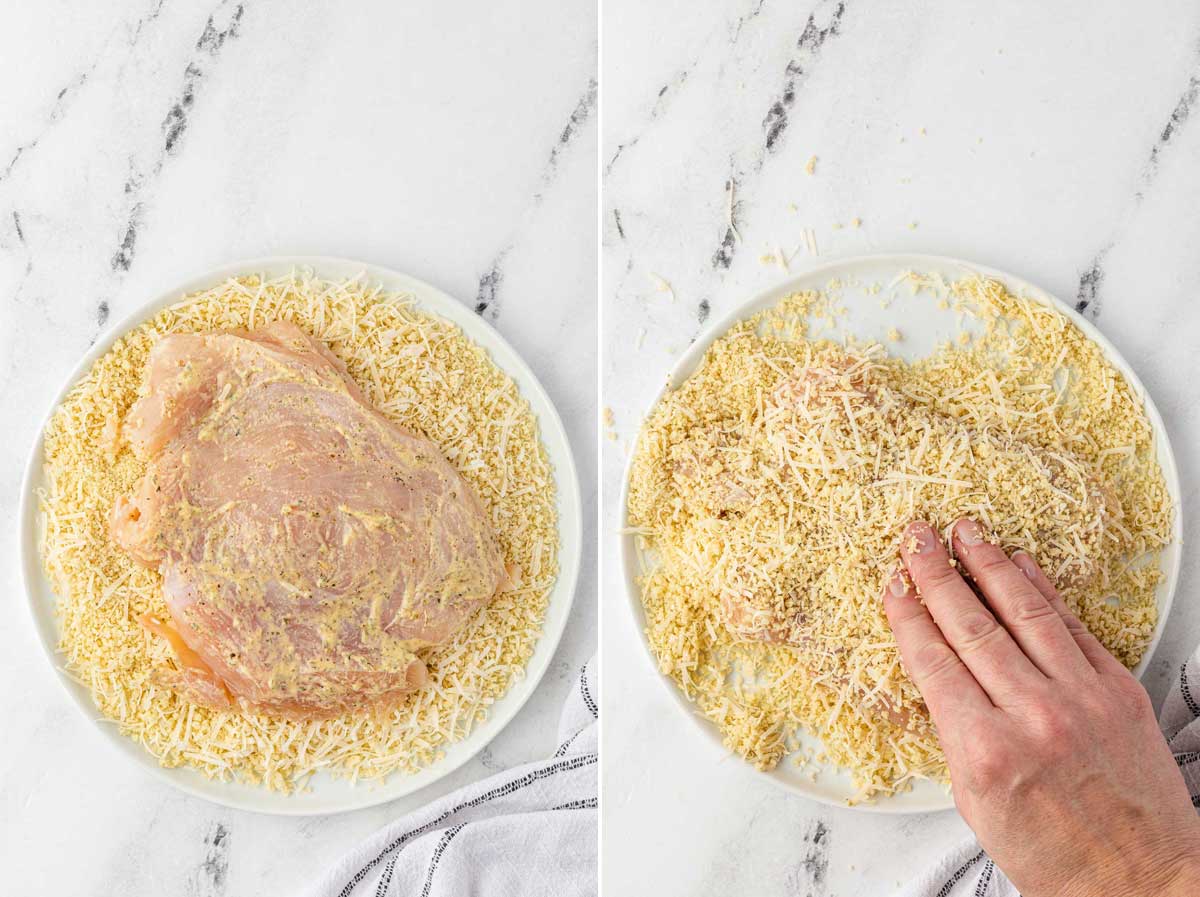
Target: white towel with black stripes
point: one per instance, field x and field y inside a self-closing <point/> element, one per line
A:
<point x="530" y="831"/>
<point x="967" y="872"/>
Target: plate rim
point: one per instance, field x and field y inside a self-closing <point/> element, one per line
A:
<point x="568" y="505"/>
<point x="687" y="363"/>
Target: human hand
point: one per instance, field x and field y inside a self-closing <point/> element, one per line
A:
<point x="1055" y="756"/>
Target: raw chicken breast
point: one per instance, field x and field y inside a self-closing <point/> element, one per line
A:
<point x="308" y="547"/>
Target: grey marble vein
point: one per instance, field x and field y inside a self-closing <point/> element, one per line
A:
<point x="487" y="294"/>
<point x="123" y="257"/>
<point x="809" y="877"/>
<point x="148" y="19"/>
<point x="822" y="25"/>
<point x="488" y="760"/>
<point x="220" y="27"/>
<point x="616" y="156"/>
<point x="575" y="122"/>
<point x="212" y="39"/>
<point x="27" y="267"/>
<point x="663" y="99"/>
<point x="742" y="21"/>
<point x="1179" y="115"/>
<point x="58" y="108"/>
<point x="489" y="288"/>
<point x="208" y="879"/>
<point x="176" y="121"/>
<point x="1088" y="295"/>
<point x="722" y="256"/>
<point x="67" y="94"/>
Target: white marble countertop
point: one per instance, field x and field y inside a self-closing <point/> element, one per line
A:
<point x="143" y="142"/>
<point x="1050" y="140"/>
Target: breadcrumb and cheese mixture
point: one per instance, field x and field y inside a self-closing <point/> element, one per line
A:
<point x="422" y="373"/>
<point x="769" y="492"/>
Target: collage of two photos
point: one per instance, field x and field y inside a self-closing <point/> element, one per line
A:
<point x="724" y="448"/>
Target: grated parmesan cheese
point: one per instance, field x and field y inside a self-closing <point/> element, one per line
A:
<point x="421" y="372"/>
<point x="732" y="494"/>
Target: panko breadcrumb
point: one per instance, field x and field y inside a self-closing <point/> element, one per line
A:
<point x="1031" y="376"/>
<point x="422" y="373"/>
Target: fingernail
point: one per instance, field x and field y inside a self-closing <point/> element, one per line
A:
<point x="921" y="539"/>
<point x="968" y="532"/>
<point x="1024" y="563"/>
<point x="899" y="585"/>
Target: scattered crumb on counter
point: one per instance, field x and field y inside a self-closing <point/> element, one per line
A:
<point x="661" y="285"/>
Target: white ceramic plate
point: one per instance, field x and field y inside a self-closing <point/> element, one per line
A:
<point x="328" y="795"/>
<point x="923" y="326"/>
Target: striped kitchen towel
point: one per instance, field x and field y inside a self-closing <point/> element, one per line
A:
<point x="530" y="831"/>
<point x="966" y="871"/>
